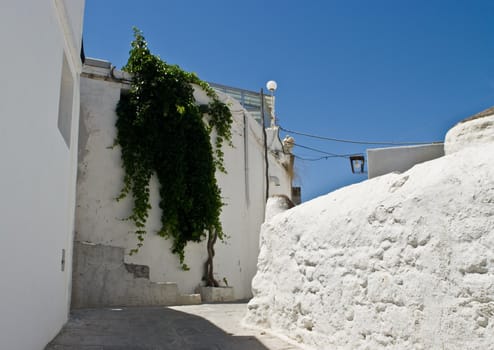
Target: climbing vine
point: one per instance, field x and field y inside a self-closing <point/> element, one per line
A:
<point x="162" y="130"/>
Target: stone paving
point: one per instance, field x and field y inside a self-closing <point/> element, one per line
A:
<point x="192" y="327"/>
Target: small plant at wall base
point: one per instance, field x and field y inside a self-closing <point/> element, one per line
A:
<point x="161" y="130"/>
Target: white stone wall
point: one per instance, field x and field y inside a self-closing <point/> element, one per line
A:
<point x="279" y="178"/>
<point x="396" y="262"/>
<point x="38" y="168"/>
<point x="470" y="134"/>
<point x="100" y="179"/>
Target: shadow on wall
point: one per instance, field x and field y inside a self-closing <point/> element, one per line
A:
<point x="146" y="328"/>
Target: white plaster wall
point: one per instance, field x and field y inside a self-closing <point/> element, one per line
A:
<point x="100" y="180"/>
<point x="74" y="15"/>
<point x="470" y="133"/>
<point x="401" y="261"/>
<point x="382" y="161"/>
<point x="280" y="179"/>
<point x="37" y="172"/>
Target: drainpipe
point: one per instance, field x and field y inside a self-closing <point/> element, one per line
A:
<point x="265" y="145"/>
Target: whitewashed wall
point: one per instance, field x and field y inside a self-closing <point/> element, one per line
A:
<point x="280" y="180"/>
<point x="401" y="261"/>
<point x="100" y="180"/>
<point x="38" y="168"/>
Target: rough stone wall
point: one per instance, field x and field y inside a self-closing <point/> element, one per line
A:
<point x="276" y="205"/>
<point x="397" y="262"/>
<point x="476" y="130"/>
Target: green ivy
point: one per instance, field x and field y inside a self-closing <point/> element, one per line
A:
<point x="162" y="131"/>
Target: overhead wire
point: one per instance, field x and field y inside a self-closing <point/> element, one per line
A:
<point x="355" y="141"/>
<point x="329" y="154"/>
<point x="312" y="159"/>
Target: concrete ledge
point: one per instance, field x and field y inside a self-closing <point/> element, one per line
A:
<point x="216" y="294"/>
<point x="189" y="299"/>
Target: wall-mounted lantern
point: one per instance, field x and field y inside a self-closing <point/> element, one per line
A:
<point x="357" y="162"/>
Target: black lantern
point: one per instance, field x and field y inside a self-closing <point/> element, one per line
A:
<point x="357" y="162"/>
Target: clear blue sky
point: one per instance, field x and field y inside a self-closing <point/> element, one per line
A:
<point x="359" y="69"/>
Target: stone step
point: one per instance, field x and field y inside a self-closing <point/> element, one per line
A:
<point x="101" y="278"/>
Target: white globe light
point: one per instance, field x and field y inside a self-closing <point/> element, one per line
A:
<point x="271" y="85"/>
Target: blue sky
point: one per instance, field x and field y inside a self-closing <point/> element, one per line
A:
<point x="355" y="69"/>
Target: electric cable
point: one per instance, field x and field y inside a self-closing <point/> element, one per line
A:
<point x="312" y="159"/>
<point x="355" y="141"/>
<point x="329" y="154"/>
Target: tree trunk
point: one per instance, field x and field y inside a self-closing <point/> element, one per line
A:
<point x="209" y="277"/>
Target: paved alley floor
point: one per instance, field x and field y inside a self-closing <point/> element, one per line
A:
<point x="192" y="327"/>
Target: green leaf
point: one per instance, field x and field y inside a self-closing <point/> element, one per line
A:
<point x="160" y="131"/>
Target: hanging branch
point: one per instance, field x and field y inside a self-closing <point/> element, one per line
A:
<point x="161" y="130"/>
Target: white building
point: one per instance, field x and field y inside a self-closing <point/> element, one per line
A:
<point x="382" y="161"/>
<point x="39" y="115"/>
<point x="104" y="273"/>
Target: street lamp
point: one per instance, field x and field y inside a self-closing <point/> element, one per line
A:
<point x="272" y="86"/>
<point x="357" y="162"/>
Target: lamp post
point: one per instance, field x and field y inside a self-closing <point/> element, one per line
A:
<point x="272" y="86"/>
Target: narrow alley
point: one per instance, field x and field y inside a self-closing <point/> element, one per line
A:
<point x="192" y="327"/>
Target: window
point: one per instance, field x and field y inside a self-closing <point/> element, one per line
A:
<point x="65" y="102"/>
